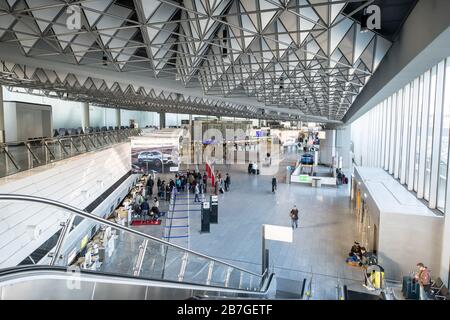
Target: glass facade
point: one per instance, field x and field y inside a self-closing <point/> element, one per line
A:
<point x="407" y="135"/>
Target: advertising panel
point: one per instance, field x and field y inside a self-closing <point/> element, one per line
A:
<point x="152" y="154"/>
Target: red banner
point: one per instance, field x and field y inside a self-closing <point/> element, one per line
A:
<point x="210" y="172"/>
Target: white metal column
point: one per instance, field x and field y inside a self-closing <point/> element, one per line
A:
<point x="85" y="115"/>
<point x="2" y="117"/>
<point x="436" y="151"/>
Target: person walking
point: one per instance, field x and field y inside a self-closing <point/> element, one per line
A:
<point x="197" y="193"/>
<point x="227" y="182"/>
<point x="294" y="217"/>
<point x="274" y="184"/>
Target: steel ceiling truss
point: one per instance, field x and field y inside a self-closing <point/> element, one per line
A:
<point x="68" y="86"/>
<point x="303" y="55"/>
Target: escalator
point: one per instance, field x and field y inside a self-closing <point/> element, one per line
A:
<point x="61" y="283"/>
<point x="139" y="267"/>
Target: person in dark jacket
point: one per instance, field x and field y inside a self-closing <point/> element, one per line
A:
<point x="158" y="183"/>
<point x="227" y="182"/>
<point x="274" y="184"/>
<point x="205" y="182"/>
<point x="168" y="192"/>
<point x="144" y="209"/>
<point x="294" y="217"/>
<point x="150" y="184"/>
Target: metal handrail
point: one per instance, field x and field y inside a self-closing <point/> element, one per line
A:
<point x="22" y="197"/>
<point x="67" y="137"/>
<point x="119" y="136"/>
<point x="33" y="269"/>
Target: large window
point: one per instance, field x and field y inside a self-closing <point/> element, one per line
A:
<point x="408" y="133"/>
<point x="443" y="163"/>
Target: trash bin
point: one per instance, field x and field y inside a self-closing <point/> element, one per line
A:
<point x="316" y="182"/>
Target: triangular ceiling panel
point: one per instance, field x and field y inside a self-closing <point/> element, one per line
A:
<point x="305" y="55"/>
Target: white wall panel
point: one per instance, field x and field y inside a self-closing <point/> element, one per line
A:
<point x="63" y="181"/>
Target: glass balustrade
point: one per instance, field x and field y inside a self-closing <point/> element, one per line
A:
<point x="24" y="155"/>
<point x="97" y="244"/>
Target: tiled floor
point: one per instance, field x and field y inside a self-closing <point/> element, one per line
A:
<point x="321" y="243"/>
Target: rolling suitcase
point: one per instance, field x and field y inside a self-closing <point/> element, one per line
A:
<point x="411" y="289"/>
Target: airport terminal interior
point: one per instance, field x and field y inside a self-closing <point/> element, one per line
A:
<point x="224" y="149"/>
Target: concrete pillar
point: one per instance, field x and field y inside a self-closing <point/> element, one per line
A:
<point x="162" y="120"/>
<point x="85" y="121"/>
<point x="118" y="119"/>
<point x="2" y="117"/>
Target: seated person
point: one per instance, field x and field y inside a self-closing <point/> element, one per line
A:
<point x="154" y="213"/>
<point x="356" y="249"/>
<point x="255" y="168"/>
<point x="353" y="260"/>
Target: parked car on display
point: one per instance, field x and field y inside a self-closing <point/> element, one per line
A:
<point x="307" y="159"/>
<point x="155" y="158"/>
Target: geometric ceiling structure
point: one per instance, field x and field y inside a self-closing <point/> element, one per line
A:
<point x="297" y="59"/>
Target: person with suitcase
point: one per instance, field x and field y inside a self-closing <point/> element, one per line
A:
<point x="423" y="277"/>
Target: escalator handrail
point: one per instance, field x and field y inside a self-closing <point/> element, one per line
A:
<point x="23" y="270"/>
<point x="22" y="197"/>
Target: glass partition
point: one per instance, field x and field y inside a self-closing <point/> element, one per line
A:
<point x="23" y="155"/>
<point x="84" y="241"/>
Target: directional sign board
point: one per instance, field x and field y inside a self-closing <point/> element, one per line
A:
<point x="278" y="233"/>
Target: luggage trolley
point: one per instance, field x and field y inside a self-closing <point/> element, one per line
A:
<point x="374" y="277"/>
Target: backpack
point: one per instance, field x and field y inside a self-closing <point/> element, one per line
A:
<point x="294" y="215"/>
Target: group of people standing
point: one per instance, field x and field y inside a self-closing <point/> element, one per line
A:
<point x="145" y="205"/>
<point x="221" y="184"/>
<point x="191" y="181"/>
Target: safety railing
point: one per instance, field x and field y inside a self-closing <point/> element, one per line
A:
<point x="24" y="155"/>
<point x="117" y="249"/>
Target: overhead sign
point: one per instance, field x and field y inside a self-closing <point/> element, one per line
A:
<point x="278" y="233"/>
